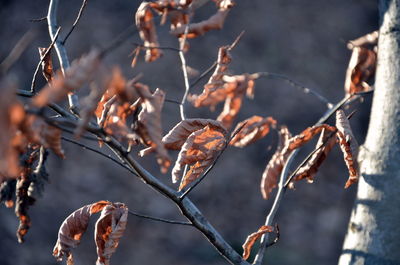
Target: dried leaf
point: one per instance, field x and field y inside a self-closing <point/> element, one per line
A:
<point x="253" y="129"/>
<point x="361" y="69"/>
<point x="149" y="124"/>
<point x="199" y="151"/>
<point x="216" y="21"/>
<point x="252" y="238"/>
<point x="177" y="136"/>
<point x="223" y="60"/>
<point x="47" y="64"/>
<point x="275" y="165"/>
<point x="144" y="23"/>
<point x="311" y="167"/>
<point x="109" y="229"/>
<point x="80" y="72"/>
<point x="72" y="229"/>
<point x="306" y="135"/>
<point x="368" y="39"/>
<point x="348" y="145"/>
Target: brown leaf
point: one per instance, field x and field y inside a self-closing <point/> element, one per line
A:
<point x="306" y="135"/>
<point x="216" y="21"/>
<point x="72" y="229"/>
<point x="324" y="145"/>
<point x="252" y="238"/>
<point x="223" y="61"/>
<point x="275" y="165"/>
<point x="253" y="129"/>
<point x="177" y="136"/>
<point x="361" y="69"/>
<point x="109" y="229"/>
<point x="149" y="124"/>
<point x="80" y="72"/>
<point x="144" y="23"/>
<point x="199" y="151"/>
<point x="47" y="64"/>
<point x="348" y="145"/>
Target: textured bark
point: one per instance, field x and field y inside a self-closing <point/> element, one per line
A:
<point x="373" y="235"/>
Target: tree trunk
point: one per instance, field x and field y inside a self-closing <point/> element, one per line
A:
<point x="373" y="236"/>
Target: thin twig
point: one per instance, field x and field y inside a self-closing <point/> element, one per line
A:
<point x="16" y="52"/>
<point x="84" y="3"/>
<point x="204" y="74"/>
<point x="172" y="101"/>
<point x="184" y="71"/>
<point x="42" y="59"/>
<point x="159" y="219"/>
<point x="38" y="19"/>
<point x="295" y="84"/>
<point x="120" y="39"/>
<point x="97" y="152"/>
<point x="61" y="51"/>
<point x="155" y="47"/>
<point x="197" y="181"/>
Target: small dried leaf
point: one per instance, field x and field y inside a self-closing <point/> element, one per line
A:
<point x="252" y="238"/>
<point x="199" y="151"/>
<point x="216" y="21"/>
<point x="361" y="69"/>
<point x="47" y="64"/>
<point x="306" y="135"/>
<point x="80" y="72"/>
<point x="144" y="23"/>
<point x="109" y="229"/>
<point x="348" y="145"/>
<point x="311" y="167"/>
<point x="177" y="136"/>
<point x="72" y="229"/>
<point x="223" y="61"/>
<point x="253" y="129"/>
<point x="149" y="124"/>
<point x="275" y="165"/>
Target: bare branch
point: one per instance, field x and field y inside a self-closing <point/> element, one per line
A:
<point x="159" y="219"/>
<point x="42" y="59"/>
<point x="84" y="3"/>
<point x="184" y="71"/>
<point x="16" y="52"/>
<point x="61" y="51"/>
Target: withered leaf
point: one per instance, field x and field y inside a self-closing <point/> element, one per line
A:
<point x="361" y="69"/>
<point x="253" y="129"/>
<point x="216" y="21"/>
<point x="177" y="136"/>
<point x="149" y="124"/>
<point x="72" y="229"/>
<point x="306" y="135"/>
<point x="223" y="60"/>
<point x="199" y="151"/>
<point x="252" y="238"/>
<point x="109" y="229"/>
<point x="368" y="39"/>
<point x="47" y="64"/>
<point x="80" y="72"/>
<point x="324" y="145"/>
<point x="348" y="145"/>
<point x="275" y="165"/>
<point x="147" y="31"/>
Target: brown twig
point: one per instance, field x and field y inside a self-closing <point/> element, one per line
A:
<point x="42" y="59"/>
<point x="158" y="219"/>
<point x="84" y="3"/>
<point x="38" y="19"/>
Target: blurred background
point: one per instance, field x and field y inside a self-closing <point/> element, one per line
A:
<point x="302" y="39"/>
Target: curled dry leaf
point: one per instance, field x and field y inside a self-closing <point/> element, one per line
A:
<point x="47" y="64"/>
<point x="361" y="69"/>
<point x="149" y="124"/>
<point x="275" y="165"/>
<point x="199" y="151"/>
<point x="324" y="145"/>
<point x="252" y="238"/>
<point x="348" y="145"/>
<point x="144" y="23"/>
<point x="223" y="60"/>
<point x="177" y="136"/>
<point x="109" y="229"/>
<point x="80" y="72"/>
<point x="254" y="128"/>
<point x="368" y="39"/>
<point x="72" y="229"/>
<point x="306" y="135"/>
<point x="216" y="21"/>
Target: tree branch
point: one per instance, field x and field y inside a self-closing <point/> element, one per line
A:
<point x="84" y="3"/>
<point x="61" y="51"/>
<point x="159" y="219"/>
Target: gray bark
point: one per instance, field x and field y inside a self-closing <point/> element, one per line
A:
<point x="373" y="235"/>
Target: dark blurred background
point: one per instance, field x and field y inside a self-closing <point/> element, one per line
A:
<point x="302" y="39"/>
